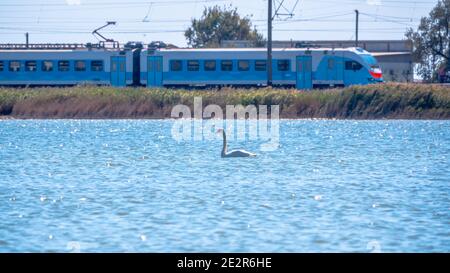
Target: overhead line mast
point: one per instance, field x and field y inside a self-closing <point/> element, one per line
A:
<point x="357" y="28"/>
<point x="270" y="17"/>
<point x="269" y="44"/>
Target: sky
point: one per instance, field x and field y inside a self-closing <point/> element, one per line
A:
<point x="72" y="21"/>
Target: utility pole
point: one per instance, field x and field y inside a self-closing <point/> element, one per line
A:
<point x="357" y="27"/>
<point x="26" y="40"/>
<point x="269" y="44"/>
<point x="289" y="13"/>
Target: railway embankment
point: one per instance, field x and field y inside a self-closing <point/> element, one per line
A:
<point x="382" y="101"/>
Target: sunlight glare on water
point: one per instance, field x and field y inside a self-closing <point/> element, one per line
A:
<point x="128" y="186"/>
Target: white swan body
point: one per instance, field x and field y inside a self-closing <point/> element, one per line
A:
<point x="232" y="153"/>
<point x="238" y="153"/>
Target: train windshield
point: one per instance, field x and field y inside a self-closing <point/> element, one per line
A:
<point x="372" y="62"/>
<point x="372" y="65"/>
<point x="369" y="59"/>
<point x="375" y="68"/>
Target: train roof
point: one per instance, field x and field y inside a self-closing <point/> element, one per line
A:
<point x="352" y="49"/>
<point x="52" y="50"/>
<point x="59" y="47"/>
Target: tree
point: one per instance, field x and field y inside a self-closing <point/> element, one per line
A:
<point x="218" y="24"/>
<point x="431" y="42"/>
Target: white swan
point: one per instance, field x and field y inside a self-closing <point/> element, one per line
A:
<point x="233" y="153"/>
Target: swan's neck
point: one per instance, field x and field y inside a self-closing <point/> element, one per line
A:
<point x="224" y="149"/>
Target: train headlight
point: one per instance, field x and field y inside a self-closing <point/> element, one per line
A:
<point x="375" y="72"/>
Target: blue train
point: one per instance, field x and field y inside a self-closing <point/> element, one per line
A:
<point x="160" y="67"/>
<point x="65" y="65"/>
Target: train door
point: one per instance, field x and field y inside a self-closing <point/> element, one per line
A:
<point x="118" y="71"/>
<point x="335" y="71"/>
<point x="155" y="71"/>
<point x="304" y="72"/>
<point x="331" y="70"/>
<point x="339" y="68"/>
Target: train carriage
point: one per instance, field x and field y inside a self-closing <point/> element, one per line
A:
<point x="55" y="64"/>
<point x="68" y="65"/>
<point x="303" y="69"/>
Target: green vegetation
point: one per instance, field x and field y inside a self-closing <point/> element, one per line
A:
<point x="408" y="101"/>
<point x="218" y="24"/>
<point x="431" y="43"/>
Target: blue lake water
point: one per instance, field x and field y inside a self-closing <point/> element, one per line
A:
<point x="128" y="186"/>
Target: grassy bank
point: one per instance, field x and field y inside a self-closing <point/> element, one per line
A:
<point x="358" y="102"/>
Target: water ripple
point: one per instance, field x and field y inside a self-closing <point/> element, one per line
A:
<point x="127" y="186"/>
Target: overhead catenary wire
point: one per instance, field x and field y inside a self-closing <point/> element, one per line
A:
<point x="171" y="2"/>
<point x="328" y="18"/>
<point x="122" y="4"/>
<point x="135" y="25"/>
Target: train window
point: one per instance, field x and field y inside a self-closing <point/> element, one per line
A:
<point x="357" y="66"/>
<point x="97" y="66"/>
<point x="260" y="65"/>
<point x="283" y="65"/>
<point x="330" y="64"/>
<point x="14" y="66"/>
<point x="80" y="66"/>
<point x="227" y="65"/>
<point x="30" y="66"/>
<point x="1" y="66"/>
<point x="348" y="65"/>
<point x="243" y="65"/>
<point x="176" y="65"/>
<point x="193" y="65"/>
<point x="352" y="65"/>
<point x="63" y="66"/>
<point x="210" y="65"/>
<point x="47" y="66"/>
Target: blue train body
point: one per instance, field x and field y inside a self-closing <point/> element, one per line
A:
<point x="303" y="69"/>
<point x="66" y="67"/>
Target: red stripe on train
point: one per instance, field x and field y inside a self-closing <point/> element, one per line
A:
<point x="376" y="75"/>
